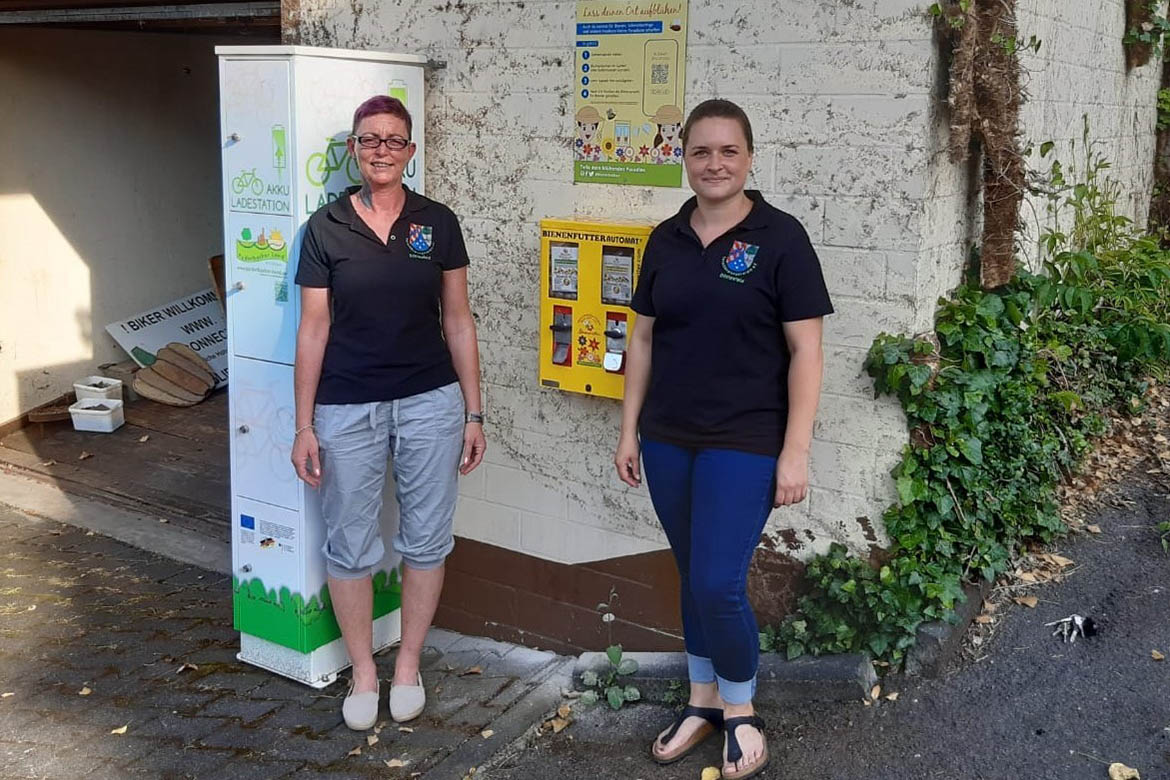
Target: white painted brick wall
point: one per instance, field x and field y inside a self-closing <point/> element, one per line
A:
<point x="845" y="102"/>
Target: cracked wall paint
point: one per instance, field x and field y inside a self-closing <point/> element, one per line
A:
<point x="844" y="98"/>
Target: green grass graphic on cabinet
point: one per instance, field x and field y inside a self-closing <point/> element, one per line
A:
<point x="288" y="620"/>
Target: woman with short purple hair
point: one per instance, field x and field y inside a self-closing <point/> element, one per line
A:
<point x="387" y="372"/>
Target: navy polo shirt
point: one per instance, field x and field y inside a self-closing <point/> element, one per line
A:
<point x="719" y="361"/>
<point x="386" y="339"/>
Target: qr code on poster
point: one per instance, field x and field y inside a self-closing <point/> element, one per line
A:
<point x="659" y="74"/>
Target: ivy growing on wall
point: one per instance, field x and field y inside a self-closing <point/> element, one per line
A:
<point x="1003" y="401"/>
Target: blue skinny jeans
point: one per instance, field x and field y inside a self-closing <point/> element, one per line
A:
<point x="713" y="504"/>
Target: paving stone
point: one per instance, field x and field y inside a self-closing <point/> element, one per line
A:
<point x="194" y="578"/>
<point x="315" y="721"/>
<point x="170" y="762"/>
<point x="239" y="680"/>
<point x="282" y="689"/>
<point x="64" y="761"/>
<point x="248" y="767"/>
<point x="472" y="716"/>
<point x="298" y="747"/>
<point x="185" y="729"/>
<point x="120" y="749"/>
<point x="455" y="692"/>
<point x="245" y="710"/>
<point x="133" y="619"/>
<point x="15" y="723"/>
<point x="171" y="700"/>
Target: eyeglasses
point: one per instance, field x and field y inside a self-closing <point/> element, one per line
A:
<point x="394" y="143"/>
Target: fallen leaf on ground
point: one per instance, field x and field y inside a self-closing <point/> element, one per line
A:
<point x="84" y="455"/>
<point x="710" y="773"/>
<point x="875" y="692"/>
<point x="984" y="619"/>
<point x="121" y="730"/>
<point x="145" y="438"/>
<point x="185" y="667"/>
<point x="1059" y="560"/>
<point x="372" y="740"/>
<point x="357" y="751"/>
<point x="558" y="725"/>
<point x="1027" y="576"/>
<point x="564" y="711"/>
<point x="84" y="691"/>
<point x="31" y="608"/>
<point x="406" y="729"/>
<point x="1093" y="529"/>
<point x="892" y="696"/>
<point x="1157" y="656"/>
<point x="395" y="763"/>
<point x="1119" y="771"/>
<point x="486" y="733"/>
<point x="472" y="670"/>
<point x="1027" y="601"/>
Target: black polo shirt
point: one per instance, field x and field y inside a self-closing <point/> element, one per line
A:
<point x="386" y="340"/>
<point x="719" y="361"/>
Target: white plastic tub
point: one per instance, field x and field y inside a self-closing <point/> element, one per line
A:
<point x="104" y="415"/>
<point x="98" y="387"/>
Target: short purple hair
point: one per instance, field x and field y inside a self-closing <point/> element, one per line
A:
<point x="383" y="104"/>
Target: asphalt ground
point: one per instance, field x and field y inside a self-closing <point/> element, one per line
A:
<point x="1021" y="704"/>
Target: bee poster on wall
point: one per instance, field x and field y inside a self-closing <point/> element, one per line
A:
<point x="630" y="68"/>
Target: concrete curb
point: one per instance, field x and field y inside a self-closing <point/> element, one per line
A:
<point x="823" y="678"/>
<point x="514" y="728"/>
<point x="938" y="641"/>
<point x="43" y="500"/>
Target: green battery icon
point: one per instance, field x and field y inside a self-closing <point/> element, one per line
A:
<point x="398" y="90"/>
<point x="279" y="147"/>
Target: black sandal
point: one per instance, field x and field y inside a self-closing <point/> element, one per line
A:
<point x="714" y="718"/>
<point x="735" y="753"/>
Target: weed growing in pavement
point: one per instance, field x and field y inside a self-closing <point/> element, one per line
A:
<point x="677" y="693"/>
<point x="608" y="683"/>
<point x="1003" y="400"/>
<point x="1164" y="535"/>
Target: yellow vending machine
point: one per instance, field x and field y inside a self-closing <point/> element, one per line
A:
<point x="588" y="270"/>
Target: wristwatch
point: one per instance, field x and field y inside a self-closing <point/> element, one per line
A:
<point x="473" y="417"/>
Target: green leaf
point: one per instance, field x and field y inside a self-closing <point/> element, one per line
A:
<point x="1046" y="147"/>
<point x="627" y="666"/>
<point x="972" y="449"/>
<point x="631" y="693"/>
<point x="905" y="487"/>
<point x="615" y="696"/>
<point x="614" y="653"/>
<point x="589" y="678"/>
<point x="589" y="698"/>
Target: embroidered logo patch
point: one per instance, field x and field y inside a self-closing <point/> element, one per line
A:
<point x="741" y="258"/>
<point x="420" y="238"/>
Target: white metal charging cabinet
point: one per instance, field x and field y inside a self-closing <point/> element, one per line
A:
<point x="285" y="112"/>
